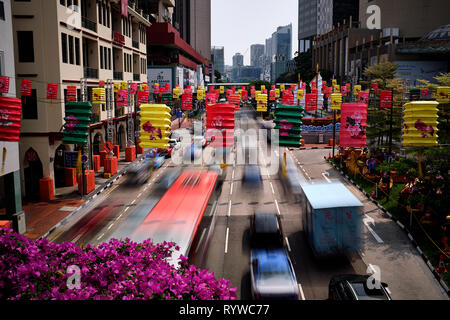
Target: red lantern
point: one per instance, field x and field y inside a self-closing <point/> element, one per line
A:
<point x="156" y="88"/>
<point x="244" y="95"/>
<point x="101" y="84"/>
<point x="363" y="97"/>
<point x="344" y="91"/>
<point x="233" y="88"/>
<point x="142" y="97"/>
<point x="122" y="98"/>
<point x="25" y="88"/>
<point x="293" y="86"/>
<point x="375" y="87"/>
<point x="264" y="91"/>
<point x="353" y="125"/>
<point x="186" y="101"/>
<point x="71" y="93"/>
<point x="252" y="93"/>
<point x="425" y="92"/>
<point x="314" y="91"/>
<point x="10" y="118"/>
<point x="52" y="91"/>
<point x="310" y="102"/>
<point x="4" y="84"/>
<point x="133" y="88"/>
<point x="210" y="99"/>
<point x="288" y="97"/>
<point x="272" y="87"/>
<point x="386" y="99"/>
<point x="272" y="95"/>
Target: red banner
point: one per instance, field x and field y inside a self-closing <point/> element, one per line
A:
<point x="52" y="91"/>
<point x="4" y="84"/>
<point x="353" y="125"/>
<point x="386" y="99"/>
<point x="25" y="88"/>
<point x="124" y="8"/>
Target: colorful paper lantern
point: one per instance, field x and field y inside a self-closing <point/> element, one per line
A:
<point x="363" y="97"/>
<point x="244" y="95"/>
<point x="288" y="97"/>
<point x="186" y="101"/>
<point x="272" y="95"/>
<point x="98" y="96"/>
<point x="336" y="101"/>
<point x="220" y="117"/>
<point x="375" y="88"/>
<point x="424" y="93"/>
<point x="142" y="97"/>
<point x="133" y="88"/>
<point x="122" y="98"/>
<point x="25" y="88"/>
<point x="10" y="118"/>
<point x="443" y="94"/>
<point x="4" y="84"/>
<point x="52" y="91"/>
<point x="282" y="88"/>
<point x="356" y="89"/>
<point x="261" y="105"/>
<point x="210" y="99"/>
<point x="311" y="102"/>
<point x="155" y="126"/>
<point x="300" y="94"/>
<point x="156" y="88"/>
<point x="288" y="120"/>
<point x="337" y="88"/>
<point x="385" y="99"/>
<point x="334" y="82"/>
<point x="71" y="93"/>
<point x="76" y="127"/>
<point x="263" y="87"/>
<point x="124" y="85"/>
<point x="420" y="124"/>
<point x="117" y="87"/>
<point x="353" y="125"/>
<point x="222" y="89"/>
<point x="101" y="83"/>
<point x="344" y="91"/>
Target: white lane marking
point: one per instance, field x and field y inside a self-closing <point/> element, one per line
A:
<point x="226" y="240"/>
<point x="287" y="244"/>
<point x="140" y="194"/>
<point x="110" y="225"/>
<point x="388" y="291"/>
<point x="231" y="190"/>
<point x="326" y="178"/>
<point x="371" y="267"/>
<point x="278" y="209"/>
<point x="368" y="220"/>
<point x="271" y="186"/>
<point x="119" y="217"/>
<point x="229" y="208"/>
<point x="126" y="209"/>
<point x="301" y="291"/>
<point x="132" y="202"/>
<point x="100" y="236"/>
<point x="76" y="238"/>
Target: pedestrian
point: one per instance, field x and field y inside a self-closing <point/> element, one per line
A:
<point x="445" y="238"/>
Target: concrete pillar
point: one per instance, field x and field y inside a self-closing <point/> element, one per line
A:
<point x="13" y="199"/>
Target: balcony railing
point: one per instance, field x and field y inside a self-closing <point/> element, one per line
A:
<point x="135" y="44"/>
<point x="90" y="73"/>
<point x="136" y="77"/>
<point x="88" y="24"/>
<point x="117" y="75"/>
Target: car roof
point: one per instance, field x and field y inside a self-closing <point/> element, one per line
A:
<point x="266" y="222"/>
<point x="274" y="258"/>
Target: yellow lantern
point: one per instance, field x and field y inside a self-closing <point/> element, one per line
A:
<point x="337" y="88"/>
<point x="124" y="85"/>
<point x="155" y="126"/>
<point x="420" y="121"/>
<point x="263" y="87"/>
<point x="176" y="93"/>
<point x="334" y="82"/>
<point x="282" y="87"/>
<point x="443" y="94"/>
<point x="117" y="87"/>
<point x="336" y="101"/>
<point x="222" y="89"/>
<point x="261" y="100"/>
<point x="277" y="93"/>
<point x="143" y="86"/>
<point x="257" y="93"/>
<point x="300" y="94"/>
<point x="356" y="89"/>
<point x="200" y="94"/>
<point x="98" y="96"/>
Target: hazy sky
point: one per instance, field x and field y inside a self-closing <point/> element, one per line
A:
<point x="237" y="24"/>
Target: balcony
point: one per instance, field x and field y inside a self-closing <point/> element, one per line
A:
<point x="136" y="77"/>
<point x="88" y="24"/>
<point x="90" y="73"/>
<point x="117" y="75"/>
<point x="135" y="44"/>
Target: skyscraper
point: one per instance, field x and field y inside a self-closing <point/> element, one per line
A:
<point x="238" y="60"/>
<point x="256" y="52"/>
<point x="218" y="58"/>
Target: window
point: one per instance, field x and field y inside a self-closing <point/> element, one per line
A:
<point x="108" y="16"/>
<point x="25" y="46"/>
<point x="105" y="54"/>
<point x="109" y="58"/>
<point x="62" y="2"/>
<point x="77" y="51"/>
<point x="71" y="50"/>
<point x="101" y="57"/>
<point x="29" y="106"/>
<point x="99" y="6"/>
<point x="2" y="11"/>
<point x="64" y="47"/>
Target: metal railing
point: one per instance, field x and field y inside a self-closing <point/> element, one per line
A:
<point x="90" y="73"/>
<point x="88" y="24"/>
<point x="117" y="75"/>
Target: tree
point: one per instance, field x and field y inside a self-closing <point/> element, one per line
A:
<point x="217" y="75"/>
<point x="381" y="72"/>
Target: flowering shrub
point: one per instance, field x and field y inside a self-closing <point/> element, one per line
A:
<point x="37" y="270"/>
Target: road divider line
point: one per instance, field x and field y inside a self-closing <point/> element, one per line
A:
<point x="326" y="178"/>
<point x="226" y="240"/>
<point x="101" y="236"/>
<point x="271" y="186"/>
<point x="132" y="202"/>
<point x="76" y="238"/>
<point x="368" y="220"/>
<point x="200" y="241"/>
<point x="110" y="225"/>
<point x="278" y="208"/>
<point x="231" y="189"/>
<point x="300" y="289"/>
<point x="126" y="209"/>
<point x="229" y="208"/>
<point x="140" y="194"/>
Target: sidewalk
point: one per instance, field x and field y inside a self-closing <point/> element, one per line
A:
<point x="41" y="216"/>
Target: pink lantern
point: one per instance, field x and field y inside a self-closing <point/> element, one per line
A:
<point x="122" y="98"/>
<point x="353" y="125"/>
<point x="386" y="99"/>
<point x="363" y="97"/>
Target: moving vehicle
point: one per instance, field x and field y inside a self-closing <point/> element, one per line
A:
<point x="354" y="287"/>
<point x="272" y="275"/>
<point x="184" y="215"/>
<point x="138" y="173"/>
<point x="252" y="176"/>
<point x="168" y="178"/>
<point x="265" y="230"/>
<point x="157" y="159"/>
<point x="290" y="177"/>
<point x="332" y="219"/>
